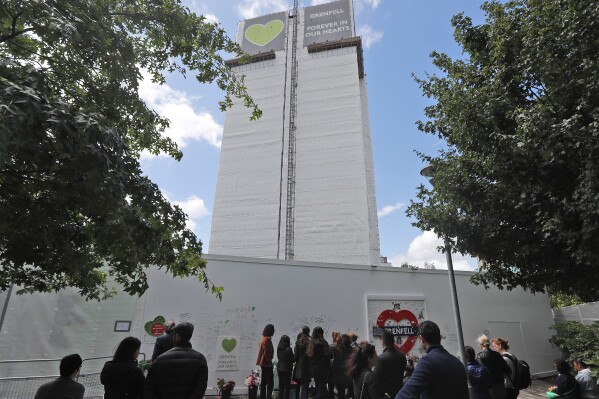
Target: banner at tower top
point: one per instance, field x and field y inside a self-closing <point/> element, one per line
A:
<point x="264" y="33"/>
<point x="327" y="22"/>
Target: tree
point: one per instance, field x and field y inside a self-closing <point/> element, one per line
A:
<point x="74" y="205"/>
<point x="577" y="340"/>
<point x="518" y="183"/>
<point x="558" y="300"/>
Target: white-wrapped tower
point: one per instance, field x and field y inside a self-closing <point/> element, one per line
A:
<point x="299" y="182"/>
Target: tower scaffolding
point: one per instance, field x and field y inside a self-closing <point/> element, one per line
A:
<point x="290" y="214"/>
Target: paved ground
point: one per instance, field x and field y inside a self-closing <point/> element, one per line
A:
<point x="538" y="389"/>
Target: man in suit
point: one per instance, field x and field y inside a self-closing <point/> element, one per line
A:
<point x="165" y="342"/>
<point x="65" y="386"/>
<point x="438" y="374"/>
<point x="389" y="372"/>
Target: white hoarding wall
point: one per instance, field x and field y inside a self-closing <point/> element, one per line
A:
<point x="341" y="298"/>
<point x="245" y="218"/>
<point x="47" y="326"/>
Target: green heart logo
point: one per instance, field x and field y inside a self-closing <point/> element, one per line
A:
<point x="261" y="35"/>
<point x="229" y="344"/>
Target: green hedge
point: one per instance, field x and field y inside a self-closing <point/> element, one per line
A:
<point x="577" y="340"/>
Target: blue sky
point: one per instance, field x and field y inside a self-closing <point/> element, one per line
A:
<point x="398" y="36"/>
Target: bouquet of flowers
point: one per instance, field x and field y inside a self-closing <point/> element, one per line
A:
<point x="224" y="386"/>
<point x="253" y="379"/>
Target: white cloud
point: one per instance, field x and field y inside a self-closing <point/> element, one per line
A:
<point x="195" y="209"/>
<point x="186" y="124"/>
<point x="254" y="8"/>
<point x="316" y="2"/>
<point x="423" y="249"/>
<point x="369" y="35"/>
<point x="211" y="18"/>
<point x="373" y="3"/>
<point x="389" y="209"/>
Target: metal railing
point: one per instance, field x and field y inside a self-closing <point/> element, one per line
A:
<point x="20" y="386"/>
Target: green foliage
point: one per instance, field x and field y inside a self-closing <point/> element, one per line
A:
<point x="406" y="265"/>
<point x="74" y="204"/>
<point x="518" y="183"/>
<point x="577" y="340"/>
<point x="558" y="300"/>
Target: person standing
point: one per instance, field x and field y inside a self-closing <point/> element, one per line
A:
<point x="478" y="376"/>
<point x="502" y="347"/>
<point x="496" y="365"/>
<point x="165" y="342"/>
<point x="301" y="373"/>
<point x="65" y="386"/>
<point x="338" y="379"/>
<point x="264" y="360"/>
<point x="359" y="370"/>
<point x="391" y="367"/>
<point x="347" y="344"/>
<point x="319" y="354"/>
<point x="284" y="366"/>
<point x="438" y="375"/>
<point x="180" y="373"/>
<point x="122" y="378"/>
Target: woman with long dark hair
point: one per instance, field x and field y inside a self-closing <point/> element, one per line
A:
<point x="285" y="366"/>
<point x="301" y="372"/>
<point x="122" y="378"/>
<point x="319" y="354"/>
<point x="566" y="385"/>
<point x="338" y="378"/>
<point x="359" y="371"/>
<point x="264" y="360"/>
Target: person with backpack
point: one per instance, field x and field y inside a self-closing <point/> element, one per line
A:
<point x="501" y="345"/>
<point x="496" y="365"/>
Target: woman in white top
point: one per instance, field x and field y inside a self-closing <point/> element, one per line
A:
<point x="500" y="345"/>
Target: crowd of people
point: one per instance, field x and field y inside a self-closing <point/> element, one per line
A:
<point x="353" y="370"/>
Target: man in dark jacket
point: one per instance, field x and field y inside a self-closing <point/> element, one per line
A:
<point x="388" y="374"/>
<point x="180" y="373"/>
<point x="65" y="386"/>
<point x="438" y="374"/>
<point x="496" y="365"/>
<point x="165" y="342"/>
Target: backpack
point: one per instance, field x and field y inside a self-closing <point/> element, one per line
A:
<point x="523" y="379"/>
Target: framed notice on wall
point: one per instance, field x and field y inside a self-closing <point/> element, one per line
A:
<point x="227" y="353"/>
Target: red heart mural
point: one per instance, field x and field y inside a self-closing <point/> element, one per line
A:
<point x="398" y="316"/>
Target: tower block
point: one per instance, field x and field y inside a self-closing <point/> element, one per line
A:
<point x="299" y="182"/>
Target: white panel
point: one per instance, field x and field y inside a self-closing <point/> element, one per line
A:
<point x="261" y="291"/>
<point x="245" y="218"/>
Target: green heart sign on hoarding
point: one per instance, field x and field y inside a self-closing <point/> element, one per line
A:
<point x="229" y="344"/>
<point x="261" y="35"/>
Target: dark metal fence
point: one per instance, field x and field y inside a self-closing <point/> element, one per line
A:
<point x="21" y="384"/>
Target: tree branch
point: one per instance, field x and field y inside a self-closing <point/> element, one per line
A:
<point x="14" y="33"/>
